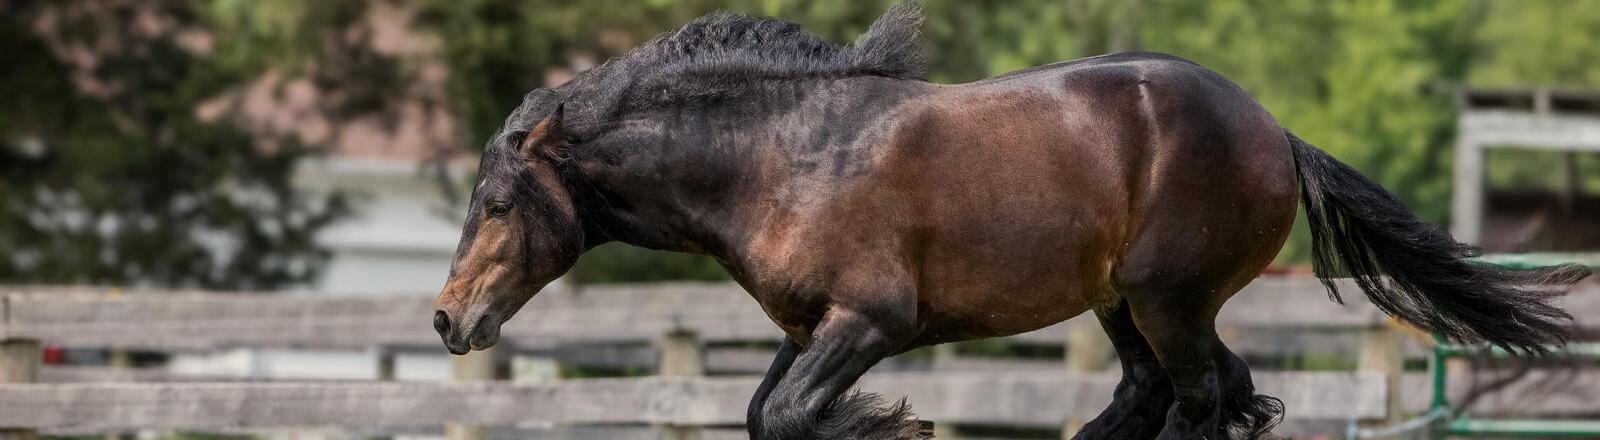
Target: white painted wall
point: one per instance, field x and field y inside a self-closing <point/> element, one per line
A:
<point x="399" y="241"/>
<point x="402" y="236"/>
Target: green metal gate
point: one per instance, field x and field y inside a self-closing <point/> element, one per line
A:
<point x="1461" y="425"/>
<point x="1441" y="420"/>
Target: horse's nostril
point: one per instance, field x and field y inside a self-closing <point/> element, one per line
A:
<point x="441" y="322"/>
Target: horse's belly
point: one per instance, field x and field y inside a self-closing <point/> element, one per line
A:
<point x="982" y="313"/>
<point x="1006" y="282"/>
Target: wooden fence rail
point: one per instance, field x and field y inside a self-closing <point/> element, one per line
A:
<point x="1037" y="399"/>
<point x="717" y="312"/>
<point x="672" y="322"/>
<point x="1033" y="400"/>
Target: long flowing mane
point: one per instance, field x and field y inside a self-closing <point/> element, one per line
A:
<point x="725" y="53"/>
<point x="715" y="57"/>
<point x="725" y="42"/>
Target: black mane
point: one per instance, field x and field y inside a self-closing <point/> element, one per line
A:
<point x="723" y="54"/>
<point x="725" y="43"/>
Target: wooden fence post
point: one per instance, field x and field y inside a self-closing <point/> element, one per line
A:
<point x="1381" y="353"/>
<point x="942" y="353"/>
<point x="120" y="361"/>
<point x="19" y="363"/>
<point x="473" y="366"/>
<point x="1088" y="350"/>
<point x="682" y="355"/>
<point x="385" y="359"/>
<point x="535" y="369"/>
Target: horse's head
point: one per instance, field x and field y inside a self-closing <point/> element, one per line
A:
<point x="522" y="229"/>
<point x="673" y="136"/>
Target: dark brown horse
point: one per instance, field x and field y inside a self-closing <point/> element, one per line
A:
<point x="870" y="213"/>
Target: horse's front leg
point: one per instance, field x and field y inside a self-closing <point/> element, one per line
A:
<point x="809" y="402"/>
<point x="780" y="366"/>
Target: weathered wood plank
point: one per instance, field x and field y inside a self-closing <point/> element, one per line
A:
<point x="1554" y="392"/>
<point x="1026" y="399"/>
<point x="19" y="363"/>
<point x="84" y="373"/>
<point x="5" y="317"/>
<point x="236" y="405"/>
<point x="1295" y="428"/>
<point x="718" y="312"/>
<point x="1528" y="130"/>
<point x="154" y="321"/>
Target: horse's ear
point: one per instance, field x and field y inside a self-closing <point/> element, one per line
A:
<point x="546" y="139"/>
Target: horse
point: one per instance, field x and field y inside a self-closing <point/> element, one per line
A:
<point x="870" y="212"/>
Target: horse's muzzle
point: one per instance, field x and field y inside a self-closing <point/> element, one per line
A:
<point x="483" y="333"/>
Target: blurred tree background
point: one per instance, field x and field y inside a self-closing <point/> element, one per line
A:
<point x="109" y="175"/>
<point x="108" y="163"/>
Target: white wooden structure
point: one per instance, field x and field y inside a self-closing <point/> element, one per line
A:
<point x="1544" y="119"/>
<point x="398" y="243"/>
<point x="403" y="233"/>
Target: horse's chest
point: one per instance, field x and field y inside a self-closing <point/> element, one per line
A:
<point x="797" y="314"/>
<point x="793" y="308"/>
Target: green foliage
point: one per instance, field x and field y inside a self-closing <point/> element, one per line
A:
<point x="1540" y="170"/>
<point x="1540" y="42"/>
<point x="1351" y="77"/>
<point x="119" y="182"/>
<point x="1366" y="80"/>
<point x="616" y="262"/>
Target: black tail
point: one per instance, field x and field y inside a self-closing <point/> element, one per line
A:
<point x="1360" y="230"/>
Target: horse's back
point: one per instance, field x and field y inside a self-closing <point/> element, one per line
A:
<point x="1038" y="192"/>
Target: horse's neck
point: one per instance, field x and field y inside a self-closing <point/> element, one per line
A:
<point x="721" y="200"/>
<point x="686" y="194"/>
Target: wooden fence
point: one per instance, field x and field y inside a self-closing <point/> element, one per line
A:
<point x="717" y="312"/>
<point x="675" y="321"/>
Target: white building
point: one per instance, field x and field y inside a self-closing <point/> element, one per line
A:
<point x="399" y="241"/>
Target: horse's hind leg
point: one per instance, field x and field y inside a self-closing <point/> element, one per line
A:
<point x="1182" y="334"/>
<point x="1245" y="414"/>
<point x="1214" y="396"/>
<point x="1139" y="406"/>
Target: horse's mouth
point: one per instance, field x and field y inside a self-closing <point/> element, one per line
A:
<point x="485" y="335"/>
<point x="482" y="335"/>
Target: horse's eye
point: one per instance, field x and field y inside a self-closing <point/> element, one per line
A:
<point x="499" y="209"/>
<point x="561" y="155"/>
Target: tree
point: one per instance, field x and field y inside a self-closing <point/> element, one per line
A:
<point x="88" y="149"/>
<point x="109" y="176"/>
